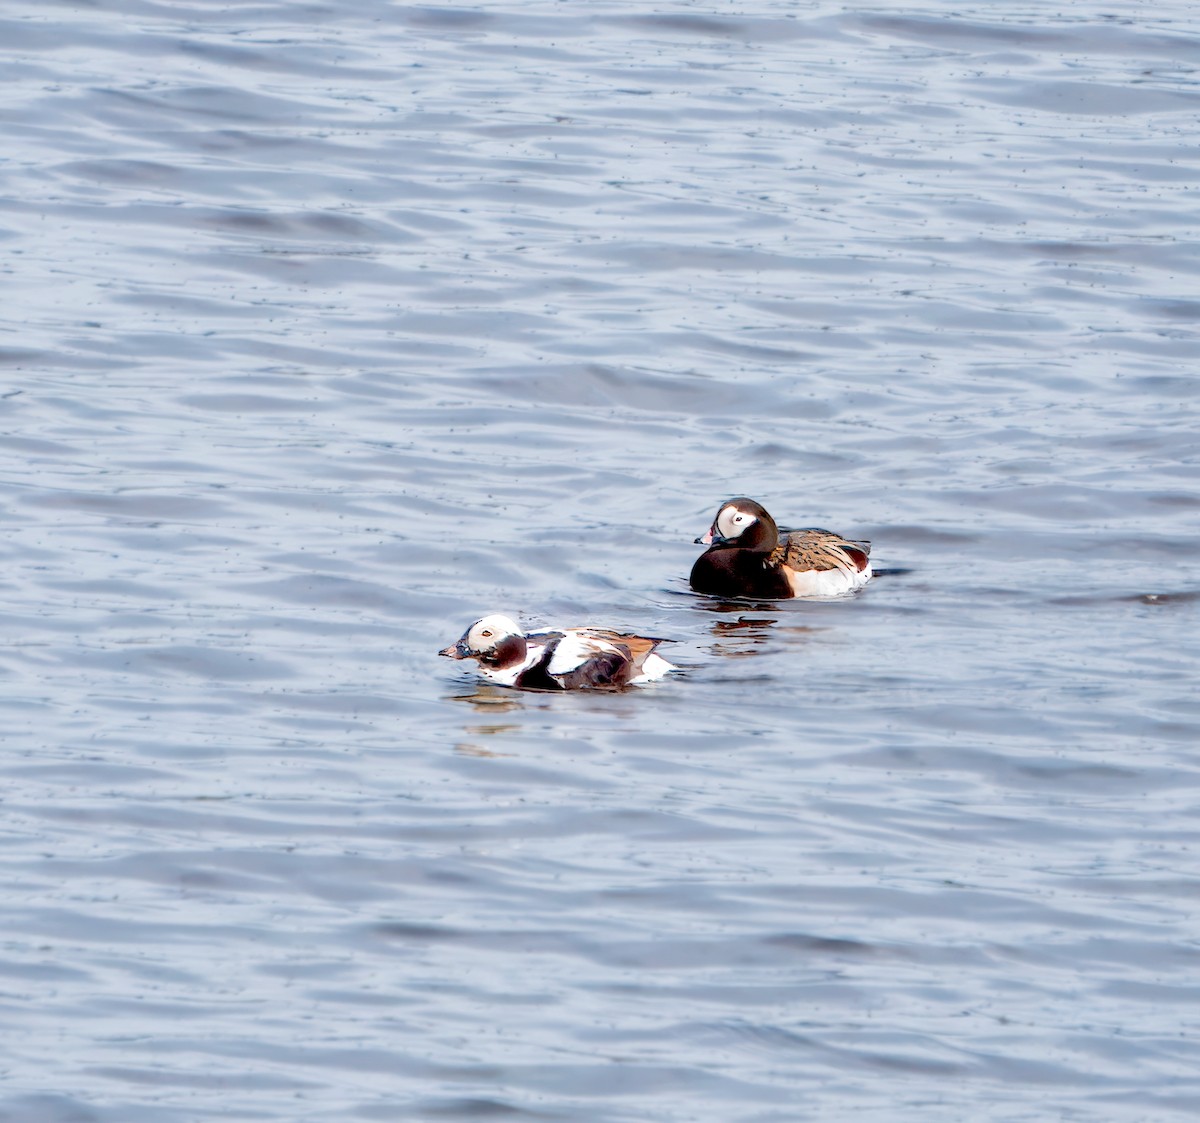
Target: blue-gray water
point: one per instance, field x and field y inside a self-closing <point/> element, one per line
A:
<point x="328" y="328"/>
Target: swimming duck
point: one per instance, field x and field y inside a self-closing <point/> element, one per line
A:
<point x="746" y="557"/>
<point x="568" y="659"/>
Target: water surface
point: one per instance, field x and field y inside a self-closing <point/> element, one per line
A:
<point x="330" y="330"/>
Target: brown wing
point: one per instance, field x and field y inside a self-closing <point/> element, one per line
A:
<point x="637" y="646"/>
<point x="815" y="549"/>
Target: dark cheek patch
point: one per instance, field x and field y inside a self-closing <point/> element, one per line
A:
<point x="507" y="653"/>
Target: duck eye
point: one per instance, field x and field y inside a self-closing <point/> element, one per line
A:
<point x="486" y="634"/>
<point x="739" y="518"/>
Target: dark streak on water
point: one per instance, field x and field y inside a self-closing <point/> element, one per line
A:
<point x="329" y="328"/>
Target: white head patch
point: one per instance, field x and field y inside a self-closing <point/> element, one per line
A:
<point x="732" y="521"/>
<point x="484" y="634"/>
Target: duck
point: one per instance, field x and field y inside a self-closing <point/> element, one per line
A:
<point x="748" y="557"/>
<point x="565" y="659"/>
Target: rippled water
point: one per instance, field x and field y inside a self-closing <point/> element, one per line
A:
<point x="330" y="328"/>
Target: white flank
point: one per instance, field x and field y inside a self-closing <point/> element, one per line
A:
<point x="826" y="582"/>
<point x="575" y="649"/>
<point x="654" y="666"/>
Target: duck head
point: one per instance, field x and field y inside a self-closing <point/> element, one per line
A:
<point x="742" y="524"/>
<point x="495" y="640"/>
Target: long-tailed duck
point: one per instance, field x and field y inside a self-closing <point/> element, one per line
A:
<point x="568" y="659"/>
<point x="746" y="557"/>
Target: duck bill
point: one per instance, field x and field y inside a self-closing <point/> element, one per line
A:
<point x="456" y="650"/>
<point x="709" y="537"/>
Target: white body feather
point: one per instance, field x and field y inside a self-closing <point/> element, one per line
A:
<point x="826" y="582"/>
<point x="654" y="667"/>
<point x="574" y="649"/>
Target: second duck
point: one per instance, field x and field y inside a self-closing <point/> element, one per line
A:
<point x="747" y="557"/>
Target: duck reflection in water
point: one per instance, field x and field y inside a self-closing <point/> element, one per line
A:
<point x="740" y="638"/>
<point x="484" y="738"/>
<point x="744" y="636"/>
<point x="487" y="700"/>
